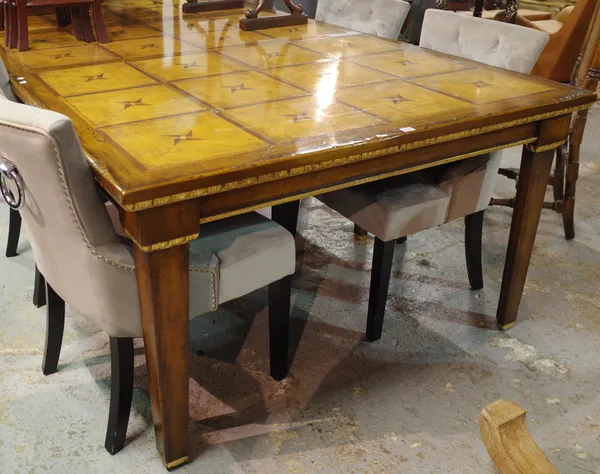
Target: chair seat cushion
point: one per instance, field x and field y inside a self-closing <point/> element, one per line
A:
<point x="231" y="257"/>
<point x="242" y="254"/>
<point x="469" y="183"/>
<point x="394" y="207"/>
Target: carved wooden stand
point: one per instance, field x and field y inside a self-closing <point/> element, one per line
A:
<point x="508" y="441"/>
<point x="194" y="6"/>
<point x="566" y="170"/>
<point x="252" y="22"/>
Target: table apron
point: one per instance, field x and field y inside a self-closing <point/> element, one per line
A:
<point x="245" y="199"/>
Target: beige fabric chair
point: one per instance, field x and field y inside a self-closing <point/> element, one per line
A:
<point x="400" y="206"/>
<point x="86" y="264"/>
<point x="382" y="18"/>
<point x="5" y="83"/>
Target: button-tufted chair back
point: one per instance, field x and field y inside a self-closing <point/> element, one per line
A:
<point x="5" y="83"/>
<point x="382" y="18"/>
<point x="490" y="42"/>
<point x="495" y="43"/>
<point x="73" y="240"/>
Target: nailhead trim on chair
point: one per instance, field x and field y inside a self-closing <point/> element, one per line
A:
<point x="78" y="221"/>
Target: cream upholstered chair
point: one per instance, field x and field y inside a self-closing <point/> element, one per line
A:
<point x="14" y="223"/>
<point x="375" y="17"/>
<point x="88" y="266"/>
<point x="14" y="226"/>
<point x="393" y="208"/>
<point x="5" y="83"/>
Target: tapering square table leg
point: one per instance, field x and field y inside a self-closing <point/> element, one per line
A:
<point x="536" y="162"/>
<point x="163" y="285"/>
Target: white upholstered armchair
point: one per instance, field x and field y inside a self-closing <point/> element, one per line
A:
<point x="87" y="265"/>
<point x="382" y="18"/>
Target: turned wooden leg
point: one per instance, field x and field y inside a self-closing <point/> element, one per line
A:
<point x="98" y="18"/>
<point x="86" y="24"/>
<point x="572" y="173"/>
<point x="2" y="27"/>
<point x="360" y="234"/>
<point x="55" y="325"/>
<point x="279" y="326"/>
<point x="531" y="188"/>
<point x="121" y="392"/>
<point x="558" y="181"/>
<point x="473" y="235"/>
<point x="63" y="17"/>
<point x="39" y="289"/>
<point x="163" y="286"/>
<point x="14" y="231"/>
<point x="286" y="215"/>
<point x="78" y="28"/>
<point x="23" y="27"/>
<point x="383" y="257"/>
<point x="12" y="26"/>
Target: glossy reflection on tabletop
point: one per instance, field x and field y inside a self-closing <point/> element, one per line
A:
<point x="182" y="94"/>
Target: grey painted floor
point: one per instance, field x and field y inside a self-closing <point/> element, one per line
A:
<point x="408" y="403"/>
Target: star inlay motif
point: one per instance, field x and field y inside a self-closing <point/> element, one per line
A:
<point x="239" y="87"/>
<point x="186" y="137"/>
<point x="190" y="65"/>
<point x="299" y="117"/>
<point x="272" y="55"/>
<point x="346" y="44"/>
<point x="62" y="56"/>
<point x="405" y="62"/>
<point x="133" y="103"/>
<point x="397" y="99"/>
<point x="146" y="46"/>
<point x="480" y="84"/>
<point x="97" y="77"/>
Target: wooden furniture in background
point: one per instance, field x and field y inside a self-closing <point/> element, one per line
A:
<point x="584" y="72"/>
<point x="560" y="55"/>
<point x="17" y="31"/>
<point x="252" y="22"/>
<point x="195" y="6"/>
<point x="221" y="139"/>
<point x="508" y="442"/>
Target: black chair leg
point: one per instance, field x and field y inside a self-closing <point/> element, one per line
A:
<point x="55" y="325"/>
<point x="360" y="233"/>
<point x="279" y="326"/>
<point x="286" y="215"/>
<point x="121" y="392"/>
<point x="473" y="232"/>
<point x="39" y="289"/>
<point x="383" y="257"/>
<point x="14" y="230"/>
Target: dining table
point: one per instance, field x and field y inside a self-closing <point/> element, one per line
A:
<point x="186" y="119"/>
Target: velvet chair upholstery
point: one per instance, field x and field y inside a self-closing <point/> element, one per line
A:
<point x="5" y="83"/>
<point x="382" y="18"/>
<point x="403" y="205"/>
<point x="88" y="266"/>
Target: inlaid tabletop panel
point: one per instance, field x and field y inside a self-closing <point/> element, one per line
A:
<point x="186" y="104"/>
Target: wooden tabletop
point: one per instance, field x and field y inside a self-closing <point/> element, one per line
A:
<point x="181" y="106"/>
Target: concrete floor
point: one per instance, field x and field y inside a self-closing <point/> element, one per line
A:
<point x="408" y="403"/>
